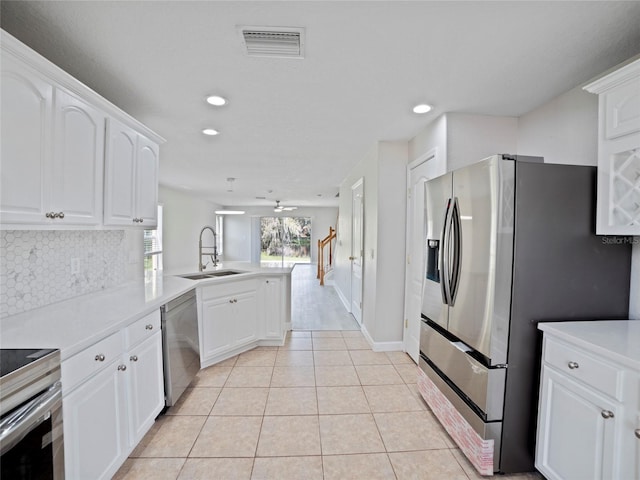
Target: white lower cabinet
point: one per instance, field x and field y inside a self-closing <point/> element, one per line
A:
<point x="589" y="409"/>
<point x="112" y="393"/>
<point x="576" y="423"/>
<point x="229" y="318"/>
<point x="240" y="315"/>
<point x="272" y="308"/>
<point x="146" y="386"/>
<point x="95" y="426"/>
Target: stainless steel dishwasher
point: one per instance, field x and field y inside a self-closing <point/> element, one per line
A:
<point x="180" y="347"/>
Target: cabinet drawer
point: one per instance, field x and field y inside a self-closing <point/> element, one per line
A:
<point x="142" y="329"/>
<point x="226" y="289"/>
<point x="605" y="377"/>
<point x="90" y="361"/>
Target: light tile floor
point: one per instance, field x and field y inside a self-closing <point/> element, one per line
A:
<point x="311" y="409"/>
<point x="314" y="307"/>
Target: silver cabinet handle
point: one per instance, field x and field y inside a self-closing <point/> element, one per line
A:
<point x="573" y="365"/>
<point x="231" y="301"/>
<point x="637" y="432"/>
<point x="136" y="220"/>
<point x="49" y="214"/>
<point x="606" y="414"/>
<point x="133" y="358"/>
<point x="122" y="368"/>
<point x="149" y="327"/>
<point x="141" y="220"/>
<point x="100" y="357"/>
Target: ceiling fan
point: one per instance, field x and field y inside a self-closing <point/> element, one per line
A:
<point x="280" y="208"/>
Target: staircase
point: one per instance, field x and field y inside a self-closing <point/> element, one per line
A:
<point x="325" y="264"/>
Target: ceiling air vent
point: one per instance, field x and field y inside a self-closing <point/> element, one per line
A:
<point x="284" y="42"/>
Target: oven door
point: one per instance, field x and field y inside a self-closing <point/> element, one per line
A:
<point x="31" y="438"/>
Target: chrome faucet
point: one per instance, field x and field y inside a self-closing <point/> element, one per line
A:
<point x="214" y="254"/>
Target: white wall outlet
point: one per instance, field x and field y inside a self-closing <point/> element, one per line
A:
<point x="75" y="265"/>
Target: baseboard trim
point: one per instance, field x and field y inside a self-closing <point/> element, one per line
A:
<point x="381" y="346"/>
<point x="342" y="298"/>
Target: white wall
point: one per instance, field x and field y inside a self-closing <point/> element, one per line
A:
<point x="392" y="198"/>
<point x="463" y="138"/>
<point x="434" y="135"/>
<point x="564" y="130"/>
<point x="471" y="138"/>
<point x="384" y="174"/>
<point x="242" y="232"/>
<point x="184" y="215"/>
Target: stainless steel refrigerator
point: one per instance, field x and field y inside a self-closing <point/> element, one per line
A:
<point x="510" y="242"/>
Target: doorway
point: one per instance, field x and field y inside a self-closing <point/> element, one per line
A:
<point x="285" y="240"/>
<point x="418" y="173"/>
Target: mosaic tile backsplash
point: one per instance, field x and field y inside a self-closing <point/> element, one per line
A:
<point x="38" y="268"/>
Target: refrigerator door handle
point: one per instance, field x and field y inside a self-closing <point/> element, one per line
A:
<point x="445" y="280"/>
<point x="456" y="244"/>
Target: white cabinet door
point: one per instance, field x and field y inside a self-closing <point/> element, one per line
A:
<point x="578" y="431"/>
<point x="245" y="312"/>
<point x="120" y="174"/>
<point x="618" y="205"/>
<point x="78" y="161"/>
<point x="147" y="183"/>
<point x="146" y="386"/>
<point x="27" y="120"/>
<point x="217" y="327"/>
<point x="95" y="428"/>
<point x="272" y="308"/>
<point x="131" y="186"/>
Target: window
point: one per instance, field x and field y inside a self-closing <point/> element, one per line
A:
<point x="153" y="246"/>
<point x="285" y="240"/>
<point x="220" y="233"/>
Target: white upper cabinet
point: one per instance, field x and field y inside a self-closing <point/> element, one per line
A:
<point x="147" y="182"/>
<point x="53" y="151"/>
<point x="618" y="210"/>
<point x="131" y="169"/>
<point x="26" y="112"/>
<point x="78" y="161"/>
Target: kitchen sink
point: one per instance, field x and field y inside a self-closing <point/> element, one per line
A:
<point x="221" y="273"/>
<point x="224" y="273"/>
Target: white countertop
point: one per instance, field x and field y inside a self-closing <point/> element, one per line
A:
<point x="75" y="324"/>
<point x="618" y="340"/>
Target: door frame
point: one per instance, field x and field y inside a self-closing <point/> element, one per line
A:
<point x="409" y="324"/>
<point x="357" y="313"/>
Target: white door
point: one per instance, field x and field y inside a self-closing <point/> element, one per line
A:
<point x="357" y="245"/>
<point x="417" y="174"/>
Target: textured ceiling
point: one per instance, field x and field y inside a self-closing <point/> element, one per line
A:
<point x="296" y="127"/>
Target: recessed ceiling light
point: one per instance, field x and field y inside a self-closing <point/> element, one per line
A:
<point x="216" y="100"/>
<point x="210" y="131"/>
<point x="422" y="108"/>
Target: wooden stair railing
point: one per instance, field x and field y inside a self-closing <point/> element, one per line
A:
<point x="321" y="246"/>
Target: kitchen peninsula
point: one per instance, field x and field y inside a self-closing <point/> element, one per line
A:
<point x="111" y="351"/>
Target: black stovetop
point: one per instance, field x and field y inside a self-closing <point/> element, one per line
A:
<point x="12" y="359"/>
